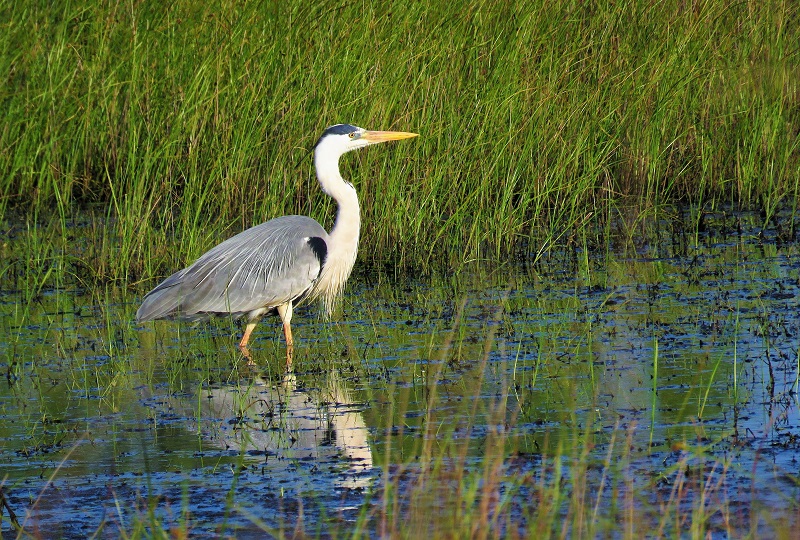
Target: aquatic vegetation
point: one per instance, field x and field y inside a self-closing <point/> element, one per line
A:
<point x="586" y="395"/>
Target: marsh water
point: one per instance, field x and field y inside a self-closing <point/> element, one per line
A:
<point x="681" y="350"/>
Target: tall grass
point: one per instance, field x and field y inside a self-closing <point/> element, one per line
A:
<point x="181" y="123"/>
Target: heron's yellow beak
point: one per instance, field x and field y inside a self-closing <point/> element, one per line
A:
<point x="383" y="136"/>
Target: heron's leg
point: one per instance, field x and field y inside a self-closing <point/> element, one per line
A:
<point x="285" y="312"/>
<point x="247" y="331"/>
<point x="243" y="344"/>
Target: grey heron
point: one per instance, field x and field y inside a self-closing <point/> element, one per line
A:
<point x="274" y="266"/>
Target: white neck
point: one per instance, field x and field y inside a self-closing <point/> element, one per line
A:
<point x="343" y="237"/>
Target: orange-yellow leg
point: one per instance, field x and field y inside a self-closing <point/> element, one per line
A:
<point x="285" y="312"/>
<point x="243" y="344"/>
<point x="247" y="331"/>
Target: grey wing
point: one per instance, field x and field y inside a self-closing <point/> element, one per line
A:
<point x="263" y="267"/>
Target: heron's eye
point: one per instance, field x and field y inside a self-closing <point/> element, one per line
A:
<point x="352" y="135"/>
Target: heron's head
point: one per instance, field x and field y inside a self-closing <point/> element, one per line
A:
<point x="343" y="138"/>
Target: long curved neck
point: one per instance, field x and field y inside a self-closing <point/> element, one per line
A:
<point x="343" y="237"/>
<point x="345" y="231"/>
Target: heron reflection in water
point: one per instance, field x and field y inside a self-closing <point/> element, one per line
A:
<point x="273" y="267"/>
<point x="285" y="422"/>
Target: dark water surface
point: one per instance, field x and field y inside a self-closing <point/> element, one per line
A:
<point x="675" y="368"/>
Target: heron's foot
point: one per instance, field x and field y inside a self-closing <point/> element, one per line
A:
<point x="289" y="382"/>
<point x="247" y="355"/>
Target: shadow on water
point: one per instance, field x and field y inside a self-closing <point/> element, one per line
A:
<point x="664" y="377"/>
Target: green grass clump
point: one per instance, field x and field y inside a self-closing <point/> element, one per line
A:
<point x="183" y="122"/>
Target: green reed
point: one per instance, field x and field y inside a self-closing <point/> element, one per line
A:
<point x="180" y="124"/>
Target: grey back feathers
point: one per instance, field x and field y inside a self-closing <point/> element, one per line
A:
<point x="267" y="265"/>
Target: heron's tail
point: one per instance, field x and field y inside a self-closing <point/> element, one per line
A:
<point x="162" y="302"/>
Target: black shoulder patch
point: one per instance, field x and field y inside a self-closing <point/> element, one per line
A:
<point x="319" y="247"/>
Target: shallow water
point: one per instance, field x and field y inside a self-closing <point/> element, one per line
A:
<point x="685" y="352"/>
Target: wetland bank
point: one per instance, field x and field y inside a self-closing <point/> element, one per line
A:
<point x="575" y="307"/>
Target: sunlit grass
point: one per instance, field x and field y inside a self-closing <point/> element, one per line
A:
<point x="190" y="122"/>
